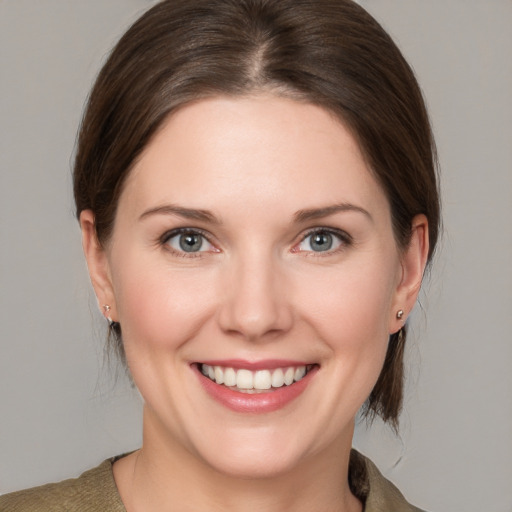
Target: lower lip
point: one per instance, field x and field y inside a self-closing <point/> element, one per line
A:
<point x="255" y="402"/>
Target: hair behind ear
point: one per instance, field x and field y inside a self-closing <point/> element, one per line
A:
<point x="386" y="398"/>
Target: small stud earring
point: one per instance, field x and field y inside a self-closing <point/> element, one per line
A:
<point x="107" y="309"/>
<point x="400" y="314"/>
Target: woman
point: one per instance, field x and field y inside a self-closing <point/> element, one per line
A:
<point x="255" y="183"/>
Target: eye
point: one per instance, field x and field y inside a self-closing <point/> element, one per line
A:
<point x="188" y="241"/>
<point x="323" y="240"/>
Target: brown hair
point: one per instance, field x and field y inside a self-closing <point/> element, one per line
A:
<point x="331" y="53"/>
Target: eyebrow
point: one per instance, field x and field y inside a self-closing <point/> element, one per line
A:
<point x="317" y="213"/>
<point x="207" y="216"/>
<point x="180" y="211"/>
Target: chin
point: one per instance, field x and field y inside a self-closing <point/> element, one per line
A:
<point x="254" y="464"/>
<point x="259" y="452"/>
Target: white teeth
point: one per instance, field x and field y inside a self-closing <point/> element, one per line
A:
<point x="262" y="380"/>
<point x="219" y="375"/>
<point x="244" y="379"/>
<point x="278" y="378"/>
<point x="289" y="374"/>
<point x="229" y="377"/>
<point x="259" y="380"/>
<point x="299" y="373"/>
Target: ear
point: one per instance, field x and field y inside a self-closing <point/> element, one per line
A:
<point x="413" y="262"/>
<point x="98" y="265"/>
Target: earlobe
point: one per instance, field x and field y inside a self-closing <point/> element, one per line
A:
<point x="97" y="264"/>
<point x="413" y="263"/>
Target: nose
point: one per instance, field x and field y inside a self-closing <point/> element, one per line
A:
<point x="255" y="305"/>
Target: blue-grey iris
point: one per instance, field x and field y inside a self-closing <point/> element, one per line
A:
<point x="321" y="242"/>
<point x="191" y="242"/>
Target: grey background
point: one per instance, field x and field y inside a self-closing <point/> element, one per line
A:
<point x="61" y="410"/>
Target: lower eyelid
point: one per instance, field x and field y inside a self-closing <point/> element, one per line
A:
<point x="343" y="239"/>
<point x="167" y="237"/>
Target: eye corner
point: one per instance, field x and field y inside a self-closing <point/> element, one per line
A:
<point x="333" y="241"/>
<point x="172" y="241"/>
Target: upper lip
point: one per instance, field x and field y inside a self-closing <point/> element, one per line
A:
<point x="263" y="364"/>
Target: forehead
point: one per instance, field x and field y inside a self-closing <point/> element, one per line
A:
<point x="258" y="150"/>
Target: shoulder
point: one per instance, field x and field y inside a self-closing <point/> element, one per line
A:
<point x="380" y="494"/>
<point x="95" y="490"/>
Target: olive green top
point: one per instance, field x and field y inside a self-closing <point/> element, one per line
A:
<point x="96" y="491"/>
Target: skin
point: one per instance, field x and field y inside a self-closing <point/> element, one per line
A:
<point x="257" y="290"/>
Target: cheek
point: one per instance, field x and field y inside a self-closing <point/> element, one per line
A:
<point x="350" y="311"/>
<point x="158" y="306"/>
<point x="356" y="300"/>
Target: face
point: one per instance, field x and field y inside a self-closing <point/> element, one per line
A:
<point x="255" y="275"/>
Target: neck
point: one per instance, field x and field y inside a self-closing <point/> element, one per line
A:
<point x="164" y="473"/>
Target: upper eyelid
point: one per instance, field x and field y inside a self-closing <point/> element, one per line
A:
<point x="340" y="233"/>
<point x="179" y="231"/>
<point x="345" y="239"/>
<point x="163" y="242"/>
<point x="324" y="229"/>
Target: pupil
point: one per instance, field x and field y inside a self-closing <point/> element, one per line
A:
<point x="321" y="242"/>
<point x="191" y="242"/>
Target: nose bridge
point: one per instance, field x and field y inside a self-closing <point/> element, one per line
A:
<point x="255" y="304"/>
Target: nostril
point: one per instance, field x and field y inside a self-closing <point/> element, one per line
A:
<point x="251" y="325"/>
<point x="254" y="305"/>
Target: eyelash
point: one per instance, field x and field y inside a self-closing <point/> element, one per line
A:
<point x="343" y="238"/>
<point x="166" y="237"/>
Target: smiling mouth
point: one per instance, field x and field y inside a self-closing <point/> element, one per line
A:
<point x="259" y="381"/>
